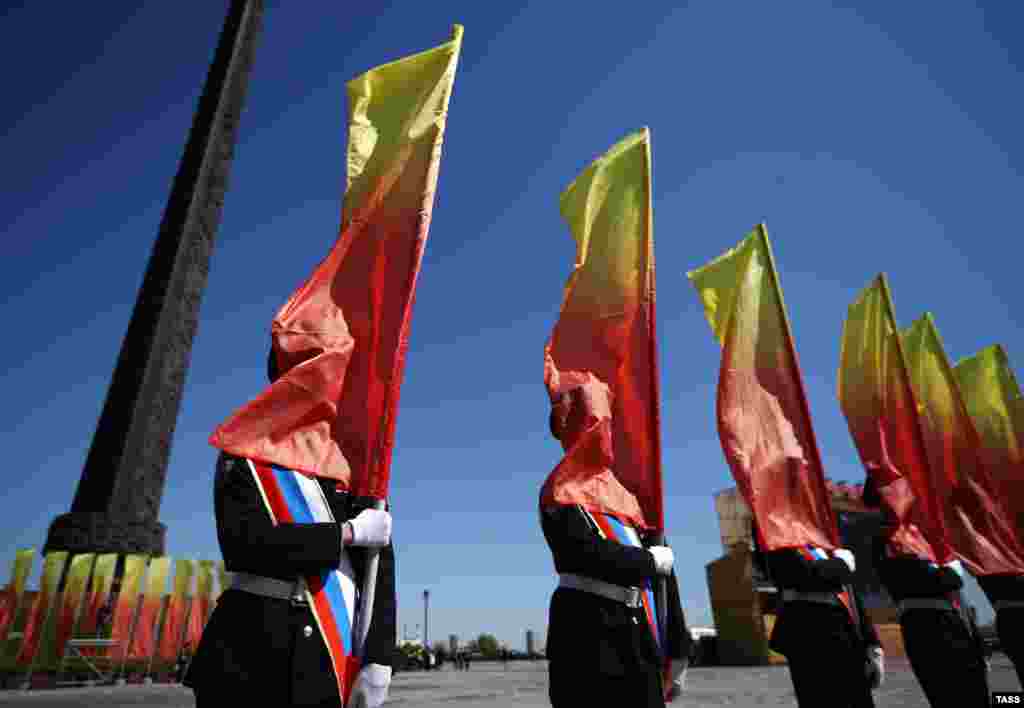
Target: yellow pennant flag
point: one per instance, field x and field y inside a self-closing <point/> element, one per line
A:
<point x="173" y="630"/>
<point x="143" y="644"/>
<point x="75" y="583"/>
<point x="994" y="402"/>
<point x="38" y="639"/>
<point x="11" y="596"/>
<point x="978" y="523"/>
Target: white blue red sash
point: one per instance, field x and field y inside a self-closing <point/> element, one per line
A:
<point x="813" y="553"/>
<point x="612" y="529"/>
<point x="293" y="498"/>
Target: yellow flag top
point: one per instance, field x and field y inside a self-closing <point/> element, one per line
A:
<point x="994" y="402"/>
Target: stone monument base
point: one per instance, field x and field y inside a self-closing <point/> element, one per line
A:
<point x="91" y="532"/>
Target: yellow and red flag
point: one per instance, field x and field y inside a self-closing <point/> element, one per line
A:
<point x="994" y="402"/>
<point x="878" y="402"/>
<point x="75" y="582"/>
<point x="172" y="631"/>
<point x="143" y="644"/>
<point x="603" y="347"/>
<point x="123" y="622"/>
<point x="98" y="595"/>
<point x="340" y="340"/>
<point x="37" y="639"/>
<point x="199" y="608"/>
<point x="12" y="594"/>
<point x="979" y="527"/>
<point x="764" y="421"/>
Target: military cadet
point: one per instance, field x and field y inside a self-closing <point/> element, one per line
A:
<point x="943" y="646"/>
<point x="601" y="649"/>
<point x="262" y="643"/>
<point x="832" y="649"/>
<point x="1006" y="593"/>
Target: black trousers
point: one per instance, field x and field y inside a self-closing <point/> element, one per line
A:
<point x="825" y="680"/>
<point x="945" y="658"/>
<point x="570" y="685"/>
<point x="1010" y="627"/>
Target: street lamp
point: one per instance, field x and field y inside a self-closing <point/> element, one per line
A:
<point x="426" y="606"/>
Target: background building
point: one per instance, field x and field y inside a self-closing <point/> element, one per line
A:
<point x="744" y="602"/>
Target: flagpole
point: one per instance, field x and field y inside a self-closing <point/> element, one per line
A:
<point x="791" y="345"/>
<point x="940" y="520"/>
<point x="365" y="610"/>
<point x="658" y="538"/>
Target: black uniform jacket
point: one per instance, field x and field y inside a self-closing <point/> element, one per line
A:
<point x="800" y="621"/>
<point x="594" y="633"/>
<point x="908" y="577"/>
<point x="1002" y="587"/>
<point x="270" y="649"/>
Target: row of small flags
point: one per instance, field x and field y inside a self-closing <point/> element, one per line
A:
<point x="78" y="599"/>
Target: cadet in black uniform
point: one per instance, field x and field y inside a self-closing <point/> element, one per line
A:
<point x="832" y="660"/>
<point x="261" y="645"/>
<point x="1006" y="593"/>
<point x="600" y="648"/>
<point x="944" y="648"/>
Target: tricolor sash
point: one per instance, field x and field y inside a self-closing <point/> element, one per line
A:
<point x="611" y="528"/>
<point x="813" y="553"/>
<point x="293" y="498"/>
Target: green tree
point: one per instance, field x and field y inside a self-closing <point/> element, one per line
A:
<point x="488" y="645"/>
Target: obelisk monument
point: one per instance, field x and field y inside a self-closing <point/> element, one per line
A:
<point x="117" y="503"/>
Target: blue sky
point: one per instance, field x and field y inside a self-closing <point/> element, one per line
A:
<point x="869" y="137"/>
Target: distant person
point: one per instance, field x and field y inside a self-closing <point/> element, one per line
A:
<point x="602" y="649"/>
<point x="262" y="645"/>
<point x="466" y="662"/>
<point x="834" y="660"/>
<point x="943" y="645"/>
<point x="1006" y="593"/>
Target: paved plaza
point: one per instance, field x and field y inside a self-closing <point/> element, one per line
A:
<point x="492" y="685"/>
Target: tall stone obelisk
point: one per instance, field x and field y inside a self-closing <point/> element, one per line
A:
<point x="117" y="503"/>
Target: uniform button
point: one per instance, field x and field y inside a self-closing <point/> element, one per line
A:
<point x="307" y="631"/>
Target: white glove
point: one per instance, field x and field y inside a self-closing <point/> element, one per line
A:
<point x="846" y="555"/>
<point x="677" y="668"/>
<point x="876" y="657"/>
<point x="371" y="687"/>
<point x="663" y="559"/>
<point x="371" y="528"/>
<point x="957" y="567"/>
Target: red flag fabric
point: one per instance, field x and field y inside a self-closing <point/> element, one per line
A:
<point x="979" y="525"/>
<point x="584" y="476"/>
<point x="877" y="399"/>
<point x="764" y="422"/>
<point x="341" y="338"/>
<point x="604" y="346"/>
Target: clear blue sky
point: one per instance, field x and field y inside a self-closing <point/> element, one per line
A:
<point x="879" y="137"/>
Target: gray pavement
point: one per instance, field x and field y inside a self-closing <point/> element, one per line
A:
<point x="524" y="684"/>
